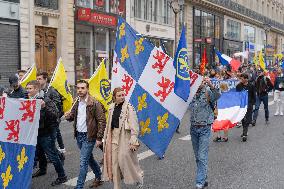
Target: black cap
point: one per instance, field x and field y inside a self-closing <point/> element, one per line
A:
<point x="13" y="80"/>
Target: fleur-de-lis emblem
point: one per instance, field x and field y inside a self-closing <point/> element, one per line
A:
<point x="2" y="154"/>
<point x="162" y="122"/>
<point x="139" y="46"/>
<point x="22" y="159"/>
<point x="145" y="127"/>
<point x="7" y="177"/>
<point x="142" y="102"/>
<point x="121" y="30"/>
<point x="124" y="54"/>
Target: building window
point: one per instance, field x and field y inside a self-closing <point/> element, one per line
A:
<point x="118" y="7"/>
<point x="207" y="25"/>
<point x="206" y="35"/>
<point x="249" y="34"/>
<point x="233" y="30"/>
<point x="153" y="11"/>
<point x="50" y="4"/>
<point x="137" y="8"/>
<point x="99" y="5"/>
<point x="84" y="3"/>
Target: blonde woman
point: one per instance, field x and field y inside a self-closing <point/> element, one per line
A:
<point x="121" y="143"/>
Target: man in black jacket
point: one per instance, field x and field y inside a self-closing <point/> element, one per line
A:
<point x="245" y="85"/>
<point x="46" y="135"/>
<point x="52" y="94"/>
<point x="263" y="85"/>
<point x="17" y="90"/>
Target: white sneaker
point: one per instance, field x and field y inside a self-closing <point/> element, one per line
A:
<point x="62" y="150"/>
<point x="281" y="113"/>
<point x="277" y="113"/>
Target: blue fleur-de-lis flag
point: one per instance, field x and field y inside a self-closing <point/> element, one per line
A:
<point x="147" y="76"/>
<point x="181" y="64"/>
<point x="19" y="120"/>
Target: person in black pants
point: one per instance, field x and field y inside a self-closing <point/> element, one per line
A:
<point x="263" y="85"/>
<point x="53" y="94"/>
<point x="46" y="135"/>
<point x="242" y="86"/>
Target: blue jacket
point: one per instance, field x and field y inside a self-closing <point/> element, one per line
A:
<point x="201" y="111"/>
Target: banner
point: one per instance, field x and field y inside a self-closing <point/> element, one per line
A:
<point x="60" y="83"/>
<point x="19" y="120"/>
<point x="100" y="86"/>
<point x="231" y="83"/>
<point x="147" y="76"/>
<point x="181" y="64"/>
<point x="29" y="76"/>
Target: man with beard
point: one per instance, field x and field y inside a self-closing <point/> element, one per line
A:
<point x="89" y="119"/>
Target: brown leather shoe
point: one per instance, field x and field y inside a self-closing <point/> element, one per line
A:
<point x="96" y="183"/>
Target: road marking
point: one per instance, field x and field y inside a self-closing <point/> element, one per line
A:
<point x="73" y="181"/>
<point x="141" y="156"/>
<point x="187" y="137"/>
<point x="145" y="154"/>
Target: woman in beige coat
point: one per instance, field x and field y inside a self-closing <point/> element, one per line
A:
<point x="121" y="143"/>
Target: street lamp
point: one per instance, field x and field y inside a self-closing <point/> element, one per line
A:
<point x="176" y="7"/>
<point x="266" y="28"/>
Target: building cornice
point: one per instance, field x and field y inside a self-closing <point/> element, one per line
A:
<point x="46" y="12"/>
<point x="227" y="7"/>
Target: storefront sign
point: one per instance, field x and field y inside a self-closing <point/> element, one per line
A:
<point x="158" y="29"/>
<point x="85" y="14"/>
<point x="198" y="40"/>
<point x="249" y="46"/>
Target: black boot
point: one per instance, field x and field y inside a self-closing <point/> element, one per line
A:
<point x="59" y="181"/>
<point x="39" y="173"/>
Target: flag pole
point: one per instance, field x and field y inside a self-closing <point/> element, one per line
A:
<point x="55" y="71"/>
<point x="26" y="74"/>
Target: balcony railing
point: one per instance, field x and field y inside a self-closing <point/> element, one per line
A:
<point x="49" y="4"/>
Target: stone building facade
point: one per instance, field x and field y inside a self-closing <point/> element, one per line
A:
<point x="47" y="33"/>
<point x="233" y="26"/>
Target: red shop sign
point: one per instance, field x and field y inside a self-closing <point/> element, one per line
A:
<point x="103" y="19"/>
<point x="96" y="18"/>
<point x="84" y="14"/>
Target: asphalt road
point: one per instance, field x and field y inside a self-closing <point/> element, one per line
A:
<point x="256" y="164"/>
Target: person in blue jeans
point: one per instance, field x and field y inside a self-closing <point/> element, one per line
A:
<point x="201" y="118"/>
<point x="89" y="119"/>
<point x="263" y="86"/>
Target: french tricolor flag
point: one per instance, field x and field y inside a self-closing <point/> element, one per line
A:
<point x="232" y="108"/>
<point x="226" y="60"/>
